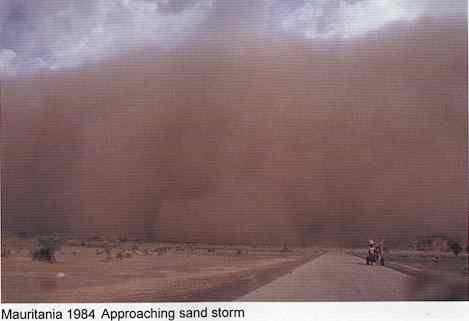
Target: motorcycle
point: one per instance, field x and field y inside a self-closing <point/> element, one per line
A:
<point x="375" y="256"/>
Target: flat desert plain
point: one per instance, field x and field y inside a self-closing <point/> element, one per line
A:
<point x="103" y="270"/>
<point x="149" y="272"/>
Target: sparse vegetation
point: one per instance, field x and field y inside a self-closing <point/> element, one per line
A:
<point x="108" y="253"/>
<point x="48" y="246"/>
<point x="432" y="261"/>
<point x="137" y="270"/>
<point x="438" y="243"/>
<point x="455" y="247"/>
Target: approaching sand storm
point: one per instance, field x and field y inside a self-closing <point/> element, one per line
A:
<point x="274" y="141"/>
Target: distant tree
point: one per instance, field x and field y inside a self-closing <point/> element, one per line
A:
<point x="455" y="247"/>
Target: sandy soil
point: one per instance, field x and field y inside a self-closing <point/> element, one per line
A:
<point x="431" y="261"/>
<point x="340" y="276"/>
<point x="147" y="272"/>
<point x="436" y="275"/>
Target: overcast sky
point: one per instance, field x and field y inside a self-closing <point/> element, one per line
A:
<point x="56" y="34"/>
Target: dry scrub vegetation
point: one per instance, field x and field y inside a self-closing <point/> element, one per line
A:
<point x="103" y="270"/>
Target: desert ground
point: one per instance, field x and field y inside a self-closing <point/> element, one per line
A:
<point x="139" y="271"/>
<point x="99" y="270"/>
<point x="341" y="275"/>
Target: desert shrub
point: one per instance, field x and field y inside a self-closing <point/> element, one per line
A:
<point x="73" y="242"/>
<point x="48" y="245"/>
<point x="53" y="242"/>
<point x="455" y="247"/>
<point x="424" y="244"/>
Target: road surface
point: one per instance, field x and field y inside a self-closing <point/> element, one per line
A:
<point x="335" y="276"/>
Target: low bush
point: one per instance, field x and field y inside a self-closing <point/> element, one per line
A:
<point x="455" y="247"/>
<point x="48" y="246"/>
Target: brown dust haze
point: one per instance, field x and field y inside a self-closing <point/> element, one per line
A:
<point x="255" y="141"/>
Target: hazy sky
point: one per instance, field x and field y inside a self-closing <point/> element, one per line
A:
<point x="55" y="34"/>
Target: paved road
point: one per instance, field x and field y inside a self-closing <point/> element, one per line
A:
<point x="335" y="276"/>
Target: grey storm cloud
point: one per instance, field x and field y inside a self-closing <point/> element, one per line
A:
<point x="53" y="34"/>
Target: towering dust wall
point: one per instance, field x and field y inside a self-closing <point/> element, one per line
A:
<point x="278" y="141"/>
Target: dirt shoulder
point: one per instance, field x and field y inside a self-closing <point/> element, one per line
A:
<point x="436" y="275"/>
<point x="431" y="261"/>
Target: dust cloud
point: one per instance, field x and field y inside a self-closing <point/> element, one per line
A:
<point x="279" y="140"/>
